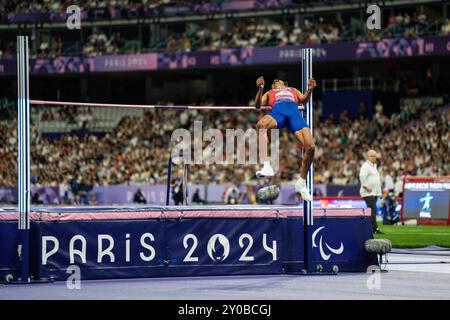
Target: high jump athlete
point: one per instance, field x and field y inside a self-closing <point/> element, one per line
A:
<point x="284" y="101"/>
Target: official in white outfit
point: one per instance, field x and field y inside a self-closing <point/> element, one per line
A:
<point x="371" y="186"/>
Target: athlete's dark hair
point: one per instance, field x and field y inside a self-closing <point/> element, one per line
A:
<point x="285" y="83"/>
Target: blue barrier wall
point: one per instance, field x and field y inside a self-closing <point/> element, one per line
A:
<point x="187" y="247"/>
<point x="9" y="238"/>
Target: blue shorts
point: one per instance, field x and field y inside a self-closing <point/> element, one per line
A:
<point x="287" y="114"/>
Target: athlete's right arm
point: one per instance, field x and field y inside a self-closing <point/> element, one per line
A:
<point x="260" y="99"/>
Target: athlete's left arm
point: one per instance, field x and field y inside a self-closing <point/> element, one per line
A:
<point x="302" y="98"/>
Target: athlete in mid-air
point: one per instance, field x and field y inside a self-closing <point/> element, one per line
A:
<point x="284" y="101"/>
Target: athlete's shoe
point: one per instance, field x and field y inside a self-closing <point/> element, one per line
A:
<point x="300" y="187"/>
<point x="266" y="171"/>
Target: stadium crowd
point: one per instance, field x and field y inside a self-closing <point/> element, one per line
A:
<point x="340" y="148"/>
<point x="104" y="8"/>
<point x="213" y="35"/>
<point x="131" y="154"/>
<point x="275" y="32"/>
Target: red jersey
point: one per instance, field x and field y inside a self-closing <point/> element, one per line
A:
<point x="282" y="94"/>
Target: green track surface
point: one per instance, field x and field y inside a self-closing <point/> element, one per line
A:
<point x="416" y="236"/>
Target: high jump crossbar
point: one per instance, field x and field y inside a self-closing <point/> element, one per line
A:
<point x="144" y="106"/>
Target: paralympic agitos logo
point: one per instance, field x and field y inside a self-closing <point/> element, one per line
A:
<point x="322" y="245"/>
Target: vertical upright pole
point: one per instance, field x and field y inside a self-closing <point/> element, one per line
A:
<point x="184" y="183"/>
<point x="169" y="174"/>
<point x="23" y="104"/>
<point x="308" y="219"/>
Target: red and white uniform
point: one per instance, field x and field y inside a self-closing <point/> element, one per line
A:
<point x="282" y="95"/>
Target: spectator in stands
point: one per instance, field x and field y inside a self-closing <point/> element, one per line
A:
<point x="178" y="189"/>
<point x="231" y="194"/>
<point x="362" y="109"/>
<point x="139" y="197"/>
<point x="196" y="197"/>
<point x="445" y="29"/>
<point x="92" y="200"/>
<point x="35" y="199"/>
<point x="378" y="109"/>
<point x="65" y="199"/>
<point x="83" y="119"/>
<point x="64" y="191"/>
<point x="77" y="201"/>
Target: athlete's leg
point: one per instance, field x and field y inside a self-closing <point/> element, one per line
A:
<point x="267" y="122"/>
<point x="299" y="127"/>
<point x="304" y="137"/>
